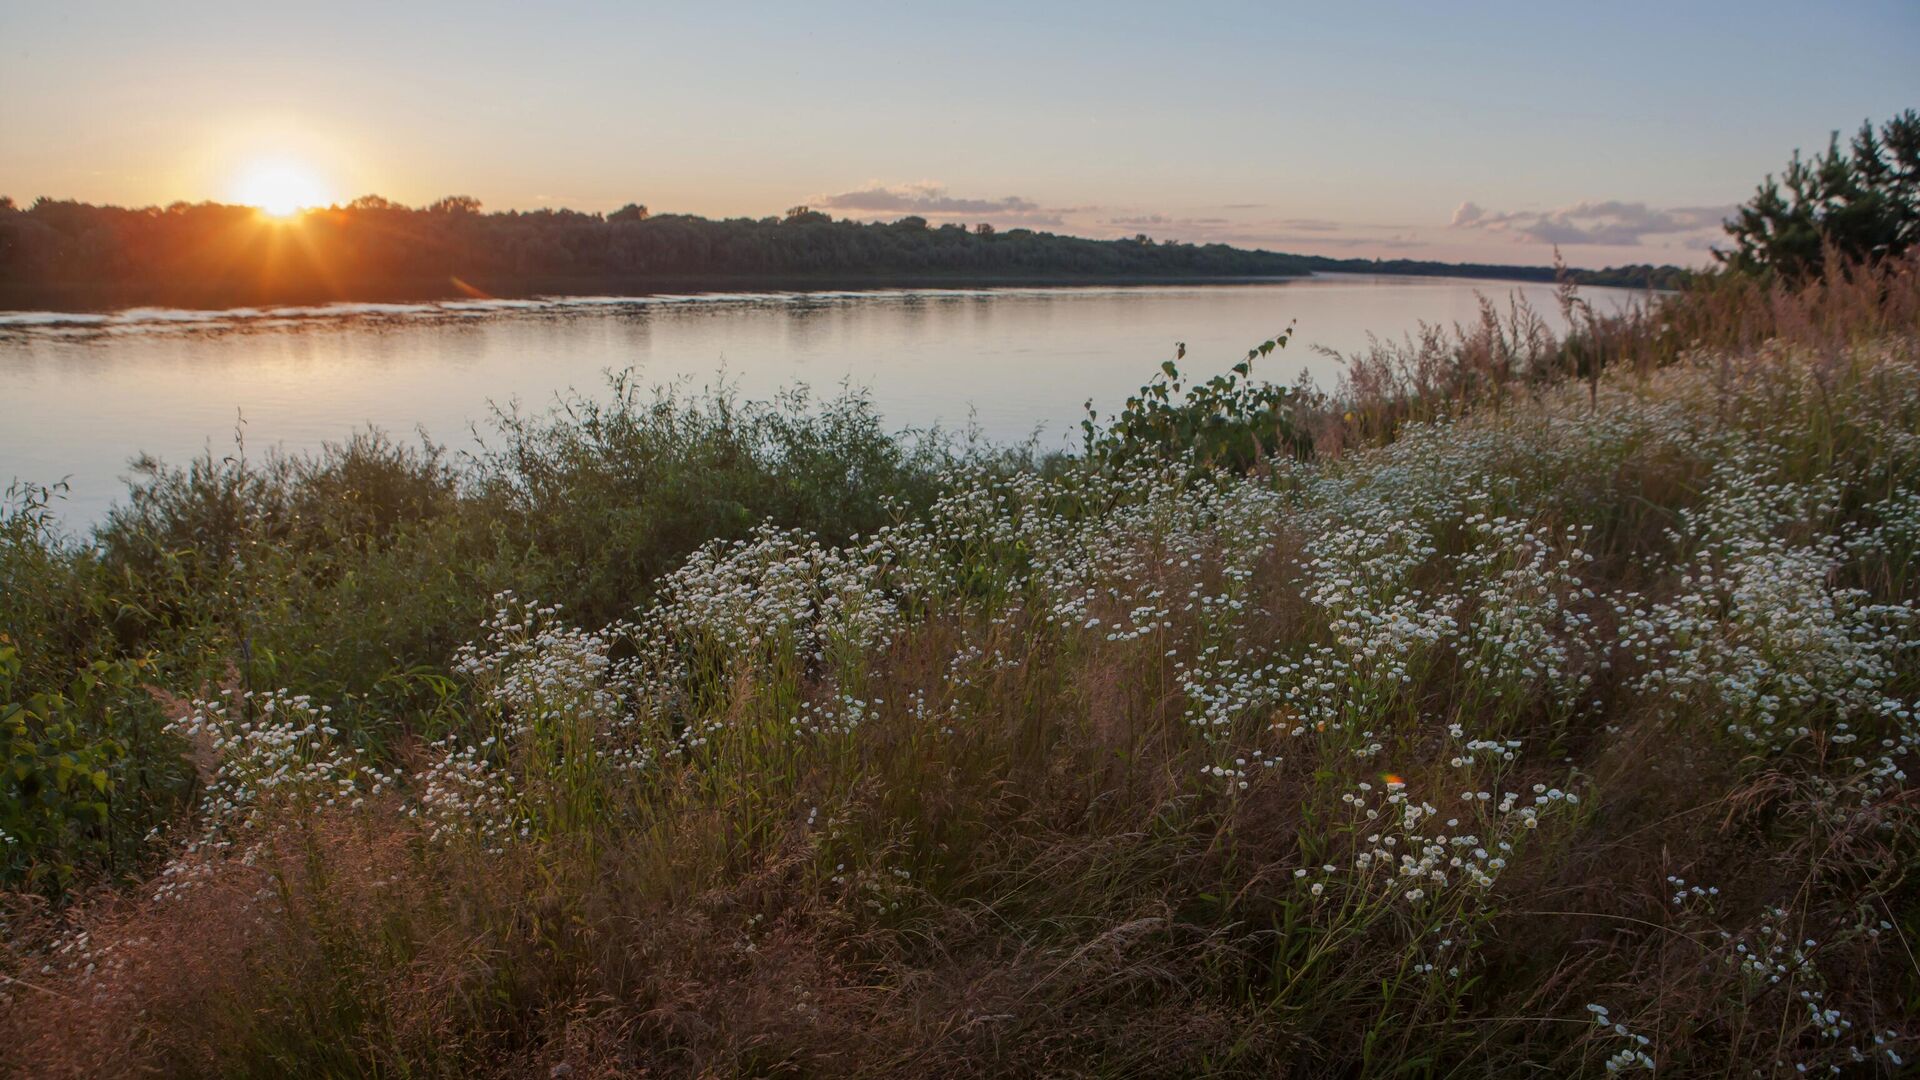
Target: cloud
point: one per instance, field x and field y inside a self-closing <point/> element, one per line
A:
<point x="1224" y="224"/>
<point x="1146" y="221"/>
<point x="1614" y="222"/>
<point x="1267" y="232"/>
<point x="932" y="200"/>
<point x="1396" y="242"/>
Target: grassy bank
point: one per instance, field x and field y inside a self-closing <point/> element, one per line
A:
<point x="1525" y="705"/>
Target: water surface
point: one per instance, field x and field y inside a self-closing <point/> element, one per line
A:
<point x="86" y="393"/>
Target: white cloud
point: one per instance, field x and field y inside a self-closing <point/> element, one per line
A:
<point x="1612" y="222"/>
<point x="932" y="200"/>
<point x="1226" y="223"/>
<point x="1149" y="221"/>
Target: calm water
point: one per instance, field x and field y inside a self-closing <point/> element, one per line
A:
<point x="85" y="393"/>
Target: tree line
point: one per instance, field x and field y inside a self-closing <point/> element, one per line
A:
<point x="211" y="254"/>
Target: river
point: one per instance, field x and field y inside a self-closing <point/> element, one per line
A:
<point x="87" y="392"/>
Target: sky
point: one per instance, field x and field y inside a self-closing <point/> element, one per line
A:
<point x="1622" y="132"/>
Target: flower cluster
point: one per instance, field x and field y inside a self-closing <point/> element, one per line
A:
<point x="276" y="758"/>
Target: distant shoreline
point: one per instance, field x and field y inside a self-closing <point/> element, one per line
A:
<point x="16" y="297"/>
<point x="78" y="257"/>
<point x="93" y="299"/>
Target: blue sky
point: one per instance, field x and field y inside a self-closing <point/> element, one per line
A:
<point x="1622" y="131"/>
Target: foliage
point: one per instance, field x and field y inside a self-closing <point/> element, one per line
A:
<point x="1229" y="422"/>
<point x="49" y="596"/>
<point x="88" y="775"/>
<point x="356" y="571"/>
<point x="613" y="494"/>
<point x="1860" y="204"/>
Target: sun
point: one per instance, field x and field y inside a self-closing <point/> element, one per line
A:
<point x="279" y="187"/>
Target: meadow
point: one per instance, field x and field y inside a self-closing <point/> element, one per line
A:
<point x="1525" y="705"/>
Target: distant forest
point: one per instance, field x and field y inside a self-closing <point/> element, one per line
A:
<point x="73" y="254"/>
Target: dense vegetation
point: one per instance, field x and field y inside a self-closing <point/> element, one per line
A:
<point x="68" y="254"/>
<point x="1528" y="703"/>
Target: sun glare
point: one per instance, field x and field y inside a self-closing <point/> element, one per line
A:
<point x="279" y="187"/>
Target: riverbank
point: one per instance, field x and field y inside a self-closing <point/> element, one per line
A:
<point x="1539" y="703"/>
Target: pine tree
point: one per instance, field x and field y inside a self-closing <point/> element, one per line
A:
<point x="1862" y="201"/>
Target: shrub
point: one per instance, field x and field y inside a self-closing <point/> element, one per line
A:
<point x="1229" y="422"/>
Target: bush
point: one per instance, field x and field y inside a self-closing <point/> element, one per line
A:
<point x="89" y="773"/>
<point x="1229" y="422"/>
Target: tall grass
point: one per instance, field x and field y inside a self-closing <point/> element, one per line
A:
<point x="1437" y="371"/>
